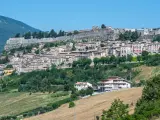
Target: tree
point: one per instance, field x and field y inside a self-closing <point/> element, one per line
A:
<point x="71" y="104"/>
<point x="37" y="51"/>
<point x="9" y="66"/>
<point x="27" y="35"/>
<point x="52" y="33"/>
<point x="156" y="38"/>
<point x="103" y="26"/>
<point x="145" y="55"/>
<point x="75" y="32"/>
<point x="40" y="35"/>
<point x="34" y="35"/>
<point x="116" y="111"/>
<point x="121" y="37"/>
<point x="89" y="91"/>
<point x="96" y="61"/>
<point x="123" y="59"/>
<point x="103" y="60"/>
<point x="17" y="35"/>
<point x="134" y="36"/>
<point x="46" y="35"/>
<point x="61" y="33"/>
<point x="73" y="47"/>
<point x="129" y="58"/>
<point x="139" y="58"/>
<point x="129" y="35"/>
<point x="112" y="59"/>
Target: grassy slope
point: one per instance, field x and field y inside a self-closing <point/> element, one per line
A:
<point x="147" y="72"/>
<point x="14" y="103"/>
<point x="87" y="108"/>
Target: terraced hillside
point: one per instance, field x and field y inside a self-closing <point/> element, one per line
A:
<point x="88" y="108"/>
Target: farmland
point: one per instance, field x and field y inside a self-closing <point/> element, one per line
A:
<point x="15" y="103"/>
<point x="88" y="108"/>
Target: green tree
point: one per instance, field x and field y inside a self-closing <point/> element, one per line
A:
<point x="34" y="35"/>
<point x="75" y="32"/>
<point x="17" y="35"/>
<point x="72" y="104"/>
<point x="112" y="59"/>
<point x="37" y="51"/>
<point x="52" y="33"/>
<point x="134" y="36"/>
<point x="103" y="26"/>
<point x="96" y="61"/>
<point x="156" y="38"/>
<point x="9" y="66"/>
<point x="145" y="55"/>
<point x="89" y="91"/>
<point x="117" y="110"/>
<point x="73" y="47"/>
<point x="129" y="58"/>
<point x="61" y="33"/>
<point x="27" y="35"/>
<point x="139" y="58"/>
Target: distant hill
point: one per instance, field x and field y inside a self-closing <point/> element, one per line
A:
<point x="9" y="27"/>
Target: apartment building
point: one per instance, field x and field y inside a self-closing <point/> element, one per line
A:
<point x="113" y="83"/>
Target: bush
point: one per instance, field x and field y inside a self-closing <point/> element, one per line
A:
<point x="71" y="104"/>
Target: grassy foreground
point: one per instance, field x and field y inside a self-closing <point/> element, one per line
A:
<point x="15" y="103"/>
<point x="89" y="108"/>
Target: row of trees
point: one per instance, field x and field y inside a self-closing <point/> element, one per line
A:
<point x="129" y="35"/>
<point x="112" y="60"/>
<point x="40" y="34"/>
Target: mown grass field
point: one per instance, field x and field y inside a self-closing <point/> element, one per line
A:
<point x="89" y="108"/>
<point x="147" y="72"/>
<point x="15" y="103"/>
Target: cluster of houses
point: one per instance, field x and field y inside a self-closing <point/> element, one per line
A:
<point x="111" y="84"/>
<point x="63" y="56"/>
<point x="94" y="43"/>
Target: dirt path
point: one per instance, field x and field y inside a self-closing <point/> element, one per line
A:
<point x="87" y="108"/>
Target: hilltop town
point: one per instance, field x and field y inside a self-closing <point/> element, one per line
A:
<point x="94" y="43"/>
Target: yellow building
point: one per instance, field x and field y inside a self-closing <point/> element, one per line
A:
<point x="8" y="72"/>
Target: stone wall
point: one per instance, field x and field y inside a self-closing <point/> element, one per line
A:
<point x="99" y="34"/>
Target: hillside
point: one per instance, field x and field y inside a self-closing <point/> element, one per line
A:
<point x="15" y="103"/>
<point x="147" y="72"/>
<point x="9" y="27"/>
<point x="87" y="108"/>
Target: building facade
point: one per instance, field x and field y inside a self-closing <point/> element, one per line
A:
<point x="82" y="85"/>
<point x="113" y="83"/>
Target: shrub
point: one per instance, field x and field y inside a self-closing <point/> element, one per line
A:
<point x="117" y="110"/>
<point x="71" y="104"/>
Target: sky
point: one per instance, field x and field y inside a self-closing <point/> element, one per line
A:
<point x="83" y="14"/>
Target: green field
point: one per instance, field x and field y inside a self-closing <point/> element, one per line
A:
<point x="15" y="103"/>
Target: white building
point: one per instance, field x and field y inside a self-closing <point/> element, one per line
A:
<point x="113" y="83"/>
<point x="82" y="85"/>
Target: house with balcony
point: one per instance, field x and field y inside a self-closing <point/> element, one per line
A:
<point x="113" y="83"/>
